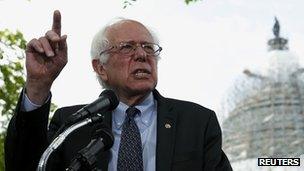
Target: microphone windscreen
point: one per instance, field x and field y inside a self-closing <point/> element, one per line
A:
<point x="109" y="94"/>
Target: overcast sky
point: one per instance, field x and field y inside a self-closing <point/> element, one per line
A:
<point x="206" y="45"/>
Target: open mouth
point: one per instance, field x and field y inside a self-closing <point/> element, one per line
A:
<point x="141" y="73"/>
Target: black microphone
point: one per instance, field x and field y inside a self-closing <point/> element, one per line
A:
<point x="102" y="140"/>
<point x="107" y="101"/>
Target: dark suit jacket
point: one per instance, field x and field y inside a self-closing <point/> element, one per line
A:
<point x="193" y="142"/>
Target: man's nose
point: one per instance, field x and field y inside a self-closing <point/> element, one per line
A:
<point x="140" y="54"/>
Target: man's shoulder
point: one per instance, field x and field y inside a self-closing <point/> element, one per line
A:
<point x="188" y="106"/>
<point x="64" y="112"/>
<point x="187" y="109"/>
<point x="189" y="113"/>
<point x="71" y="108"/>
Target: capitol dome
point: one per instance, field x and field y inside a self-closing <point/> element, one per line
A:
<point x="266" y="109"/>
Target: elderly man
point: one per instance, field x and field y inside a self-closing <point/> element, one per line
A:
<point x="151" y="132"/>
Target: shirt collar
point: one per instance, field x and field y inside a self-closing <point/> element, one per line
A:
<point x="119" y="113"/>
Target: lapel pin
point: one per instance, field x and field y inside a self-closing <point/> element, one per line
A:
<point x="167" y="126"/>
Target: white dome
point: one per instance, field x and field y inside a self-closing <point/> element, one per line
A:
<point x="281" y="65"/>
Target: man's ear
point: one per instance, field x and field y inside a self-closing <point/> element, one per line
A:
<point x="99" y="68"/>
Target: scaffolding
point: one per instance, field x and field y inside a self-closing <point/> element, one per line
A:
<point x="266" y="108"/>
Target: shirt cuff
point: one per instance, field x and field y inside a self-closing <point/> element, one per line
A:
<point x="27" y="105"/>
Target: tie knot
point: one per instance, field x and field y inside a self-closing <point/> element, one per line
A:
<point x="132" y="111"/>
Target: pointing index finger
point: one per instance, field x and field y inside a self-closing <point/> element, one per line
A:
<point x="57" y="22"/>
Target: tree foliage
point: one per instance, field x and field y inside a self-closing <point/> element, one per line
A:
<point x="127" y="3"/>
<point x="11" y="71"/>
<point x="2" y="136"/>
<point x="188" y="1"/>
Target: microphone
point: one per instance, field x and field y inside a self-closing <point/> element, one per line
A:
<point x="102" y="140"/>
<point x="107" y="101"/>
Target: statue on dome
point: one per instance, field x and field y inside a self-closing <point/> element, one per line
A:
<point x="276" y="27"/>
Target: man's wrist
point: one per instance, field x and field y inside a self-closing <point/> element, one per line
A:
<point x="37" y="92"/>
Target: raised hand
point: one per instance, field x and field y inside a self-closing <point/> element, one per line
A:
<point x="45" y="58"/>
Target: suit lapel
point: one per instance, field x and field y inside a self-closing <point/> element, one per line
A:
<point x="166" y="127"/>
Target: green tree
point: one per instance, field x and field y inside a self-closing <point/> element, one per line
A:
<point x="11" y="72"/>
<point x="2" y="151"/>
<point x="188" y="1"/>
<point x="127" y="3"/>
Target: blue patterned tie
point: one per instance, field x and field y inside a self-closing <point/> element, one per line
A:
<point x="130" y="148"/>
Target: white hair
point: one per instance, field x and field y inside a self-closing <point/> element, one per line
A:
<point x="100" y="43"/>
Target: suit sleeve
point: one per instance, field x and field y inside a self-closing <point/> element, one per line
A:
<point x="26" y="138"/>
<point x="214" y="157"/>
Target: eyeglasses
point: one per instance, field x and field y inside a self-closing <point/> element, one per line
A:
<point x="127" y="48"/>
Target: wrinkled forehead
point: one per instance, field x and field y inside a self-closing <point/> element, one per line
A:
<point x="128" y="30"/>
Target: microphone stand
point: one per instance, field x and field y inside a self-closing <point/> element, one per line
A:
<point x="102" y="140"/>
<point x="86" y="157"/>
<point x="60" y="139"/>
